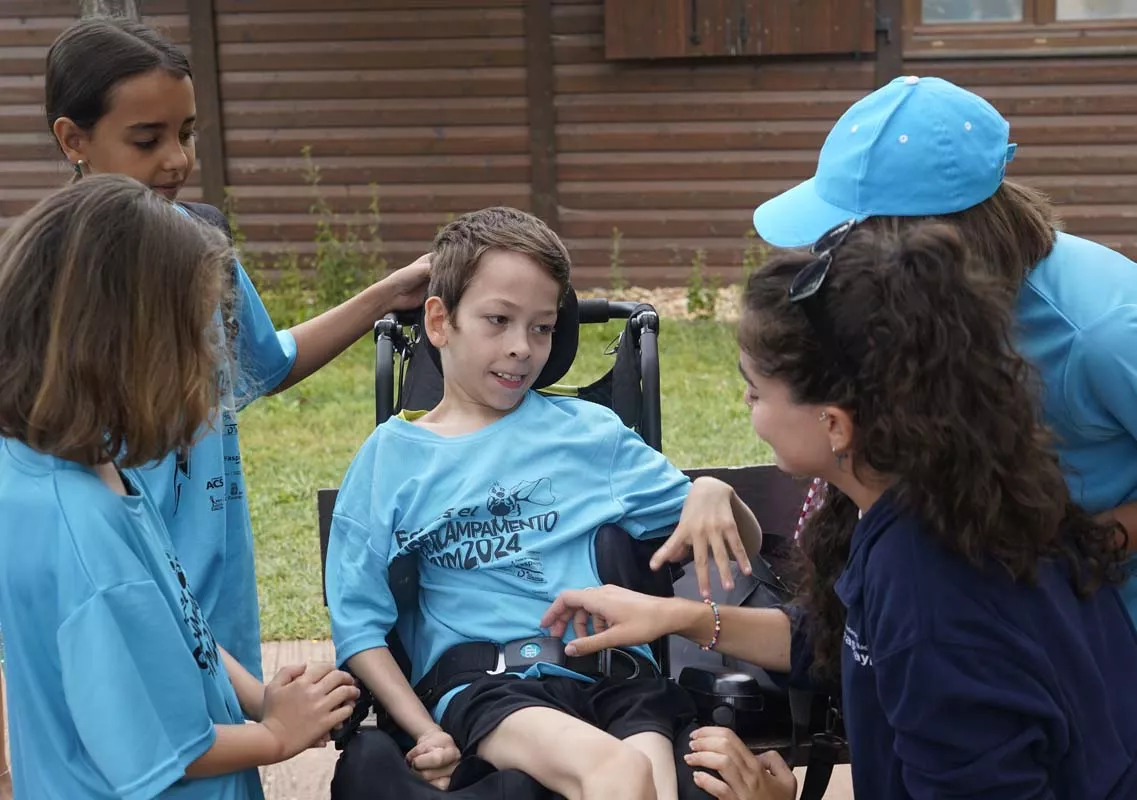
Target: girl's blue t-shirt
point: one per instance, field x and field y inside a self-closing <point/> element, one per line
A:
<point x="201" y="496"/>
<point x="115" y="680"/>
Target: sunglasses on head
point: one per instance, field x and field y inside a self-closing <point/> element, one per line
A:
<point x="811" y="278"/>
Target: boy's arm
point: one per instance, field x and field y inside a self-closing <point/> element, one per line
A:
<point x="435" y="755"/>
<point x="383" y="678"/>
<point x="250" y="691"/>
<point x="747" y="523"/>
<point x="714" y="524"/>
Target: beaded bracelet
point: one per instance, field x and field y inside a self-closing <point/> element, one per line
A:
<point x="718" y="627"/>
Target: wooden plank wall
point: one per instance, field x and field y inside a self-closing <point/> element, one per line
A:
<point x="1075" y="121"/>
<point x="429" y="102"/>
<point x="30" y="163"/>
<point x="424" y="99"/>
<point x="676" y="155"/>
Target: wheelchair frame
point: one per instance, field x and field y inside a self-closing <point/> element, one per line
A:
<point x="390" y="340"/>
<point x="762" y="486"/>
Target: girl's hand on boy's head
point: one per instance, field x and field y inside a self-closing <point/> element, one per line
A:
<point x="304" y="703"/>
<point x="435" y="757"/>
<point x="742" y="775"/>
<point x="707" y="527"/>
<point x="406" y="288"/>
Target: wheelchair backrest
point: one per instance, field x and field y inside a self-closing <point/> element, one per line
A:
<point x="630" y="387"/>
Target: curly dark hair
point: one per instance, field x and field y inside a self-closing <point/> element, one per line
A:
<point x="917" y="348"/>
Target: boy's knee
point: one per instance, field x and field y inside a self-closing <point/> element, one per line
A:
<point x="623" y="765"/>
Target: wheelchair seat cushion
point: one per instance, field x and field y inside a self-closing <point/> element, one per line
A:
<point x="622" y="707"/>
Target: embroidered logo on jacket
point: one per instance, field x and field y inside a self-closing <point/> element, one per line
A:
<point x="859" y="650"/>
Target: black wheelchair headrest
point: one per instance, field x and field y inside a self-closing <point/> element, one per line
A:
<point x="566" y="338"/>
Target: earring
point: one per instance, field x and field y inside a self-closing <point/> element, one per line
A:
<point x="79" y="168"/>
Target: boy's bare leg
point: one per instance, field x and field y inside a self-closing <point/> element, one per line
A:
<point x="661" y="752"/>
<point x="569" y="756"/>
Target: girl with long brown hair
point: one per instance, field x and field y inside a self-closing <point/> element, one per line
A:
<point x="110" y="351"/>
<point x="967" y="606"/>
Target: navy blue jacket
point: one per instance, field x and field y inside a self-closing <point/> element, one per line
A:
<point x="960" y="683"/>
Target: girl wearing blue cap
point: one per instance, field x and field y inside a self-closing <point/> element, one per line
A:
<point x="923" y="147"/>
<point x="963" y="601"/>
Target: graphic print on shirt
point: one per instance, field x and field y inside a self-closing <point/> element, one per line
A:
<point x="859" y="650"/>
<point x="479" y="536"/>
<point x="205" y="653"/>
<point x="181" y="478"/>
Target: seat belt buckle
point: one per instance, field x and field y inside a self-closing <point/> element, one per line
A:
<point x="520" y="654"/>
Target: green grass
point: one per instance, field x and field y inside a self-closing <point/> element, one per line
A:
<point x="304" y="439"/>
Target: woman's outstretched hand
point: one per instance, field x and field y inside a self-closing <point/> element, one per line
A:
<point x="619" y="617"/>
<point x="743" y="775"/>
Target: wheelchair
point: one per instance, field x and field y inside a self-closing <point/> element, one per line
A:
<point x="803" y="726"/>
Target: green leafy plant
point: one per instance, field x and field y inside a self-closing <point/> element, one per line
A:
<point x="616" y="280"/>
<point x="702" y="291"/>
<point x="754" y="254"/>
<point x="339" y="262"/>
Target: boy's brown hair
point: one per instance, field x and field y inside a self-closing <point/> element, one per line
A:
<point x="109" y="342"/>
<point x="459" y="247"/>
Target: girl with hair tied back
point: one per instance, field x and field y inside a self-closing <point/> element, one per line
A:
<point x="967" y="606"/>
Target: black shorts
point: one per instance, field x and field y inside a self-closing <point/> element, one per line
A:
<point x="622" y="707"/>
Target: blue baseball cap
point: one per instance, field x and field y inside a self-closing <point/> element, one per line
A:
<point x="915" y="147"/>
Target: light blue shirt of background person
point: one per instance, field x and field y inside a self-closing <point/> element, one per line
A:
<point x="1077" y="323"/>
<point x="115" y="680"/>
<point x="202" y="496"/>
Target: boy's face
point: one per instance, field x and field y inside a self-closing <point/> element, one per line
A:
<point x="499" y="340"/>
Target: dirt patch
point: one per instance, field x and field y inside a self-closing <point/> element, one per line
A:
<point x="672" y="302"/>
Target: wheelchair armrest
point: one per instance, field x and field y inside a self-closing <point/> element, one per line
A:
<point x="748" y="702"/>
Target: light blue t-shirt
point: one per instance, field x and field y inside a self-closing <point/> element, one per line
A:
<point x="202" y="497"/>
<point x="502" y="520"/>
<point x="115" y="682"/>
<point x="1077" y="318"/>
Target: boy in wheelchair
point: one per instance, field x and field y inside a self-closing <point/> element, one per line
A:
<point x="498" y="493"/>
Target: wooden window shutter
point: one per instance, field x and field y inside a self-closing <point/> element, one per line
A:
<point x="692" y="28"/>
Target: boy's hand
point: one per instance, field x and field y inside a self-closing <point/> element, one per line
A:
<point x="5" y="781"/>
<point x="706" y="525"/>
<point x="434" y="757"/>
<point x="302" y="704"/>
